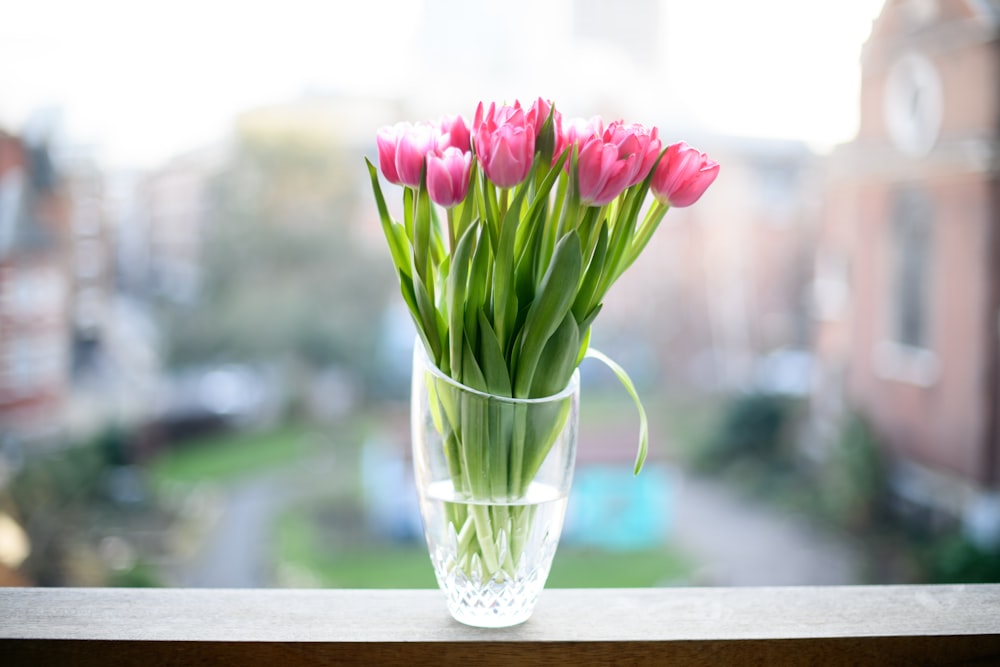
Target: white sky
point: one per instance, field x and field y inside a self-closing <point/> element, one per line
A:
<point x="140" y="81"/>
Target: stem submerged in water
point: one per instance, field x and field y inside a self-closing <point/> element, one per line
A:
<point x="492" y="450"/>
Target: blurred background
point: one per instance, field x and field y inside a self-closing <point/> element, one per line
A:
<point x="204" y="358"/>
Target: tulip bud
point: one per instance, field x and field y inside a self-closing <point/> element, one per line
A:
<point x="454" y="132"/>
<point x="577" y="131"/>
<point x="547" y="121"/>
<point x="387" y="139"/>
<point x="504" y="141"/>
<point x="602" y="174"/>
<point x="635" y="139"/>
<point x="683" y="175"/>
<point x="448" y="176"/>
<point x="415" y="141"/>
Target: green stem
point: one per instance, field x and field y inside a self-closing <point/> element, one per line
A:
<point x="517" y="452"/>
<point x="452" y="232"/>
<point x="522" y="518"/>
<point x="504" y="202"/>
<point x="484" y="534"/>
<point x="467" y="533"/>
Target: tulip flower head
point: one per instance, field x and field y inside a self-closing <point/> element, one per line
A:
<point x="504" y="141"/>
<point x="454" y="132"/>
<point x="577" y="131"/>
<point x="539" y="112"/>
<point x="638" y="140"/>
<point x="683" y="175"/>
<point x="448" y="176"/>
<point x="603" y="172"/>
<point x="414" y="142"/>
<point x="387" y="140"/>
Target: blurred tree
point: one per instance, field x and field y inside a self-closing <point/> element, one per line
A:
<point x="286" y="274"/>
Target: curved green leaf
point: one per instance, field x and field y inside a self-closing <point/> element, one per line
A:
<point x="626" y="381"/>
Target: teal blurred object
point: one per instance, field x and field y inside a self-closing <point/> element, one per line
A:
<point x="612" y="509"/>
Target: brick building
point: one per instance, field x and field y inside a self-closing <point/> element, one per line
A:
<point x="34" y="293"/>
<point x="908" y="260"/>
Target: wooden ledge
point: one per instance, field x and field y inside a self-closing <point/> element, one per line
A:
<point x="688" y="626"/>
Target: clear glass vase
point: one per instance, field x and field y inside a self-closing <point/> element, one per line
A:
<point x="493" y="475"/>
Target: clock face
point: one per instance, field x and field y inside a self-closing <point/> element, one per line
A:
<point x="913" y="104"/>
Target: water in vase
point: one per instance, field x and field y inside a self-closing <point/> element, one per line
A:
<point x="492" y="558"/>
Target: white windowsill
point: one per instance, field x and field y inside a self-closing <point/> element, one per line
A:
<point x="903" y="363"/>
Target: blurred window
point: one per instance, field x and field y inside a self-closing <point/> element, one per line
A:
<point x="912" y="216"/>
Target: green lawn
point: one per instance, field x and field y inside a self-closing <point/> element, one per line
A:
<point x="225" y="457"/>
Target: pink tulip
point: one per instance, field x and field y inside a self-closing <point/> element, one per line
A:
<point x="603" y="172"/>
<point x="546" y="142"/>
<point x="387" y="139"/>
<point x="448" y="176"/>
<point x="577" y="131"/>
<point x="504" y="140"/>
<point x="539" y="113"/>
<point x="454" y="132"/>
<point x="415" y="142"/>
<point x="683" y="175"/>
<point x="636" y="140"/>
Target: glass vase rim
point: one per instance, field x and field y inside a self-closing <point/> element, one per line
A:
<point x="571" y="387"/>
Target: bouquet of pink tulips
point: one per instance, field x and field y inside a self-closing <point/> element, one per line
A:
<point x="513" y="231"/>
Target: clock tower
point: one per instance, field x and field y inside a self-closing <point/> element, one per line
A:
<point x="907" y="280"/>
<point x="913" y="103"/>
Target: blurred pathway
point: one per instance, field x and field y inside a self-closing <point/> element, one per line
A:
<point x="739" y="542"/>
<point x="232" y="556"/>
<point x="236" y="551"/>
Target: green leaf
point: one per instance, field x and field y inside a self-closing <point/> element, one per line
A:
<point x="524" y="278"/>
<point x="535" y="216"/>
<point x="618" y="244"/>
<point x="589" y="318"/>
<point x="558" y="360"/>
<point x="584" y="339"/>
<point x="542" y="424"/>
<point x="465" y="212"/>
<point x="492" y="358"/>
<point x="552" y="301"/>
<point x="489" y="208"/>
<point x="551" y="232"/>
<point x="630" y="388"/>
<point x="504" y="284"/>
<point x="422" y="237"/>
<point x="570" y="215"/>
<point x="408" y="210"/>
<point x="476" y="292"/>
<point x="399" y="247"/>
<point x="589" y="229"/>
<point x="428" y="321"/>
<point x="395" y="235"/>
<point x="622" y="246"/>
<point x="438" y="245"/>
<point x="458" y="279"/>
<point x="410" y="297"/>
<point x="588" y="295"/>
<point x="472" y="375"/>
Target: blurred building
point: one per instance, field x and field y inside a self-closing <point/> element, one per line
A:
<point x="907" y="288"/>
<point x="167" y="224"/>
<point x="70" y="346"/>
<point x="35" y="286"/>
<point x="90" y="255"/>
<point x="723" y="284"/>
